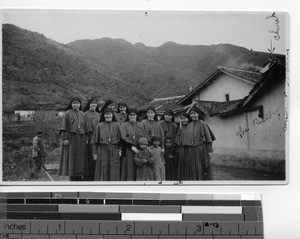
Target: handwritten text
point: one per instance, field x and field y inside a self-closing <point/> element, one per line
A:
<point x="242" y="131"/>
<point x="275" y="31"/>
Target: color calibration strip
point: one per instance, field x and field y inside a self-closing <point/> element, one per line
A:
<point x="95" y="215"/>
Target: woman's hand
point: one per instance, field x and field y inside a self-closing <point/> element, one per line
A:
<point x="95" y="157"/>
<point x="134" y="149"/>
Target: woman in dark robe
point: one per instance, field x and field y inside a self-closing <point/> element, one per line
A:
<point x="194" y="139"/>
<point x="73" y="131"/>
<point x="153" y="127"/>
<point x="122" y="112"/>
<point x="168" y="125"/>
<point x="182" y="170"/>
<point x="91" y="112"/>
<point x="131" y="132"/>
<point x="106" y="148"/>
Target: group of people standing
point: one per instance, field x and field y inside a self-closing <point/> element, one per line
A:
<point x="104" y="145"/>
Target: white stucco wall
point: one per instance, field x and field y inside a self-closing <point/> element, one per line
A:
<point x="247" y="134"/>
<point x="225" y="84"/>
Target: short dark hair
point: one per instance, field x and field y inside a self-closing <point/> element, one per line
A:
<point x="39" y="132"/>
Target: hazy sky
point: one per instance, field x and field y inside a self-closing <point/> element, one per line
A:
<point x="250" y="30"/>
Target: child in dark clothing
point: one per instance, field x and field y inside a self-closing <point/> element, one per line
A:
<point x="171" y="157"/>
<point x="144" y="160"/>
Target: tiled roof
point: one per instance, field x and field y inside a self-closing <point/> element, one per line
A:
<point x="165" y="103"/>
<point x="251" y="76"/>
<point x="212" y="108"/>
<point x="276" y="71"/>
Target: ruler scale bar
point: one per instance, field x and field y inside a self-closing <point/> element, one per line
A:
<point x="95" y="215"/>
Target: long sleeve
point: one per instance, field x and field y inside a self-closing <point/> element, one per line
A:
<point x="162" y="136"/>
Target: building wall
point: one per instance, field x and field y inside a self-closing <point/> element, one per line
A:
<point x="25" y="114"/>
<point x="248" y="136"/>
<point x="225" y="84"/>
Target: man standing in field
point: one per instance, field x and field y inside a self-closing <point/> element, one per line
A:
<point x="38" y="151"/>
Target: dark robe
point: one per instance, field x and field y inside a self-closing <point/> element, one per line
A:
<point x="105" y="141"/>
<point x="93" y="119"/>
<point x="74" y="128"/>
<point x="171" y="163"/>
<point x="193" y="139"/>
<point x="153" y="128"/>
<point x="181" y="172"/>
<point x="170" y="130"/>
<point x="120" y="117"/>
<point x="207" y="147"/>
<point x="191" y="149"/>
<point x="130" y="133"/>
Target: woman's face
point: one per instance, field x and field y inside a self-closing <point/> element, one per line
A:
<point x="150" y="115"/>
<point x="108" y="117"/>
<point x="93" y="106"/>
<point x="122" y="109"/>
<point x="194" y="115"/>
<point x="75" y="105"/>
<point x="184" y="120"/>
<point x="132" y="117"/>
<point x="168" y="117"/>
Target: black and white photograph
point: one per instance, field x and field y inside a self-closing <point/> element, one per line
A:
<point x="145" y="97"/>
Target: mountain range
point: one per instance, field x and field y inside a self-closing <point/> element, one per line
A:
<point x="39" y="71"/>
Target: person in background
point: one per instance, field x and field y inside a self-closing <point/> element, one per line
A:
<point x="122" y="112"/>
<point x="144" y="161"/>
<point x="108" y="104"/>
<point x="73" y="131"/>
<point x="152" y="126"/>
<point x="182" y="173"/>
<point x="131" y="132"/>
<point x="159" y="161"/>
<point x="171" y="158"/>
<point x="91" y="112"/>
<point x="168" y="125"/>
<point x="106" y="147"/>
<point x="38" y="151"/>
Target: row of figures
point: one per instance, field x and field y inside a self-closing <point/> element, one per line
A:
<point x="104" y="145"/>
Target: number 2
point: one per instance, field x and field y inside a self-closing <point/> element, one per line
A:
<point x="128" y="227"/>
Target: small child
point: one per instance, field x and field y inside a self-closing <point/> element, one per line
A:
<point x="144" y="160"/>
<point x="171" y="157"/>
<point x="159" y="161"/>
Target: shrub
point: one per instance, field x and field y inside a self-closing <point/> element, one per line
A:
<point x="48" y="122"/>
<point x="18" y="164"/>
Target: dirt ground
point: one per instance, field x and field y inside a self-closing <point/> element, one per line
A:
<point x="219" y="173"/>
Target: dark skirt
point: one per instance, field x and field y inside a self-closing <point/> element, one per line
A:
<point x="108" y="163"/>
<point x="128" y="169"/>
<point x="91" y="161"/>
<point x="171" y="168"/>
<point x="207" y="168"/>
<point x="73" y="162"/>
<point x="191" y="163"/>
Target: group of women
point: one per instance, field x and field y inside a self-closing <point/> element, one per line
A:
<point x="100" y="145"/>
